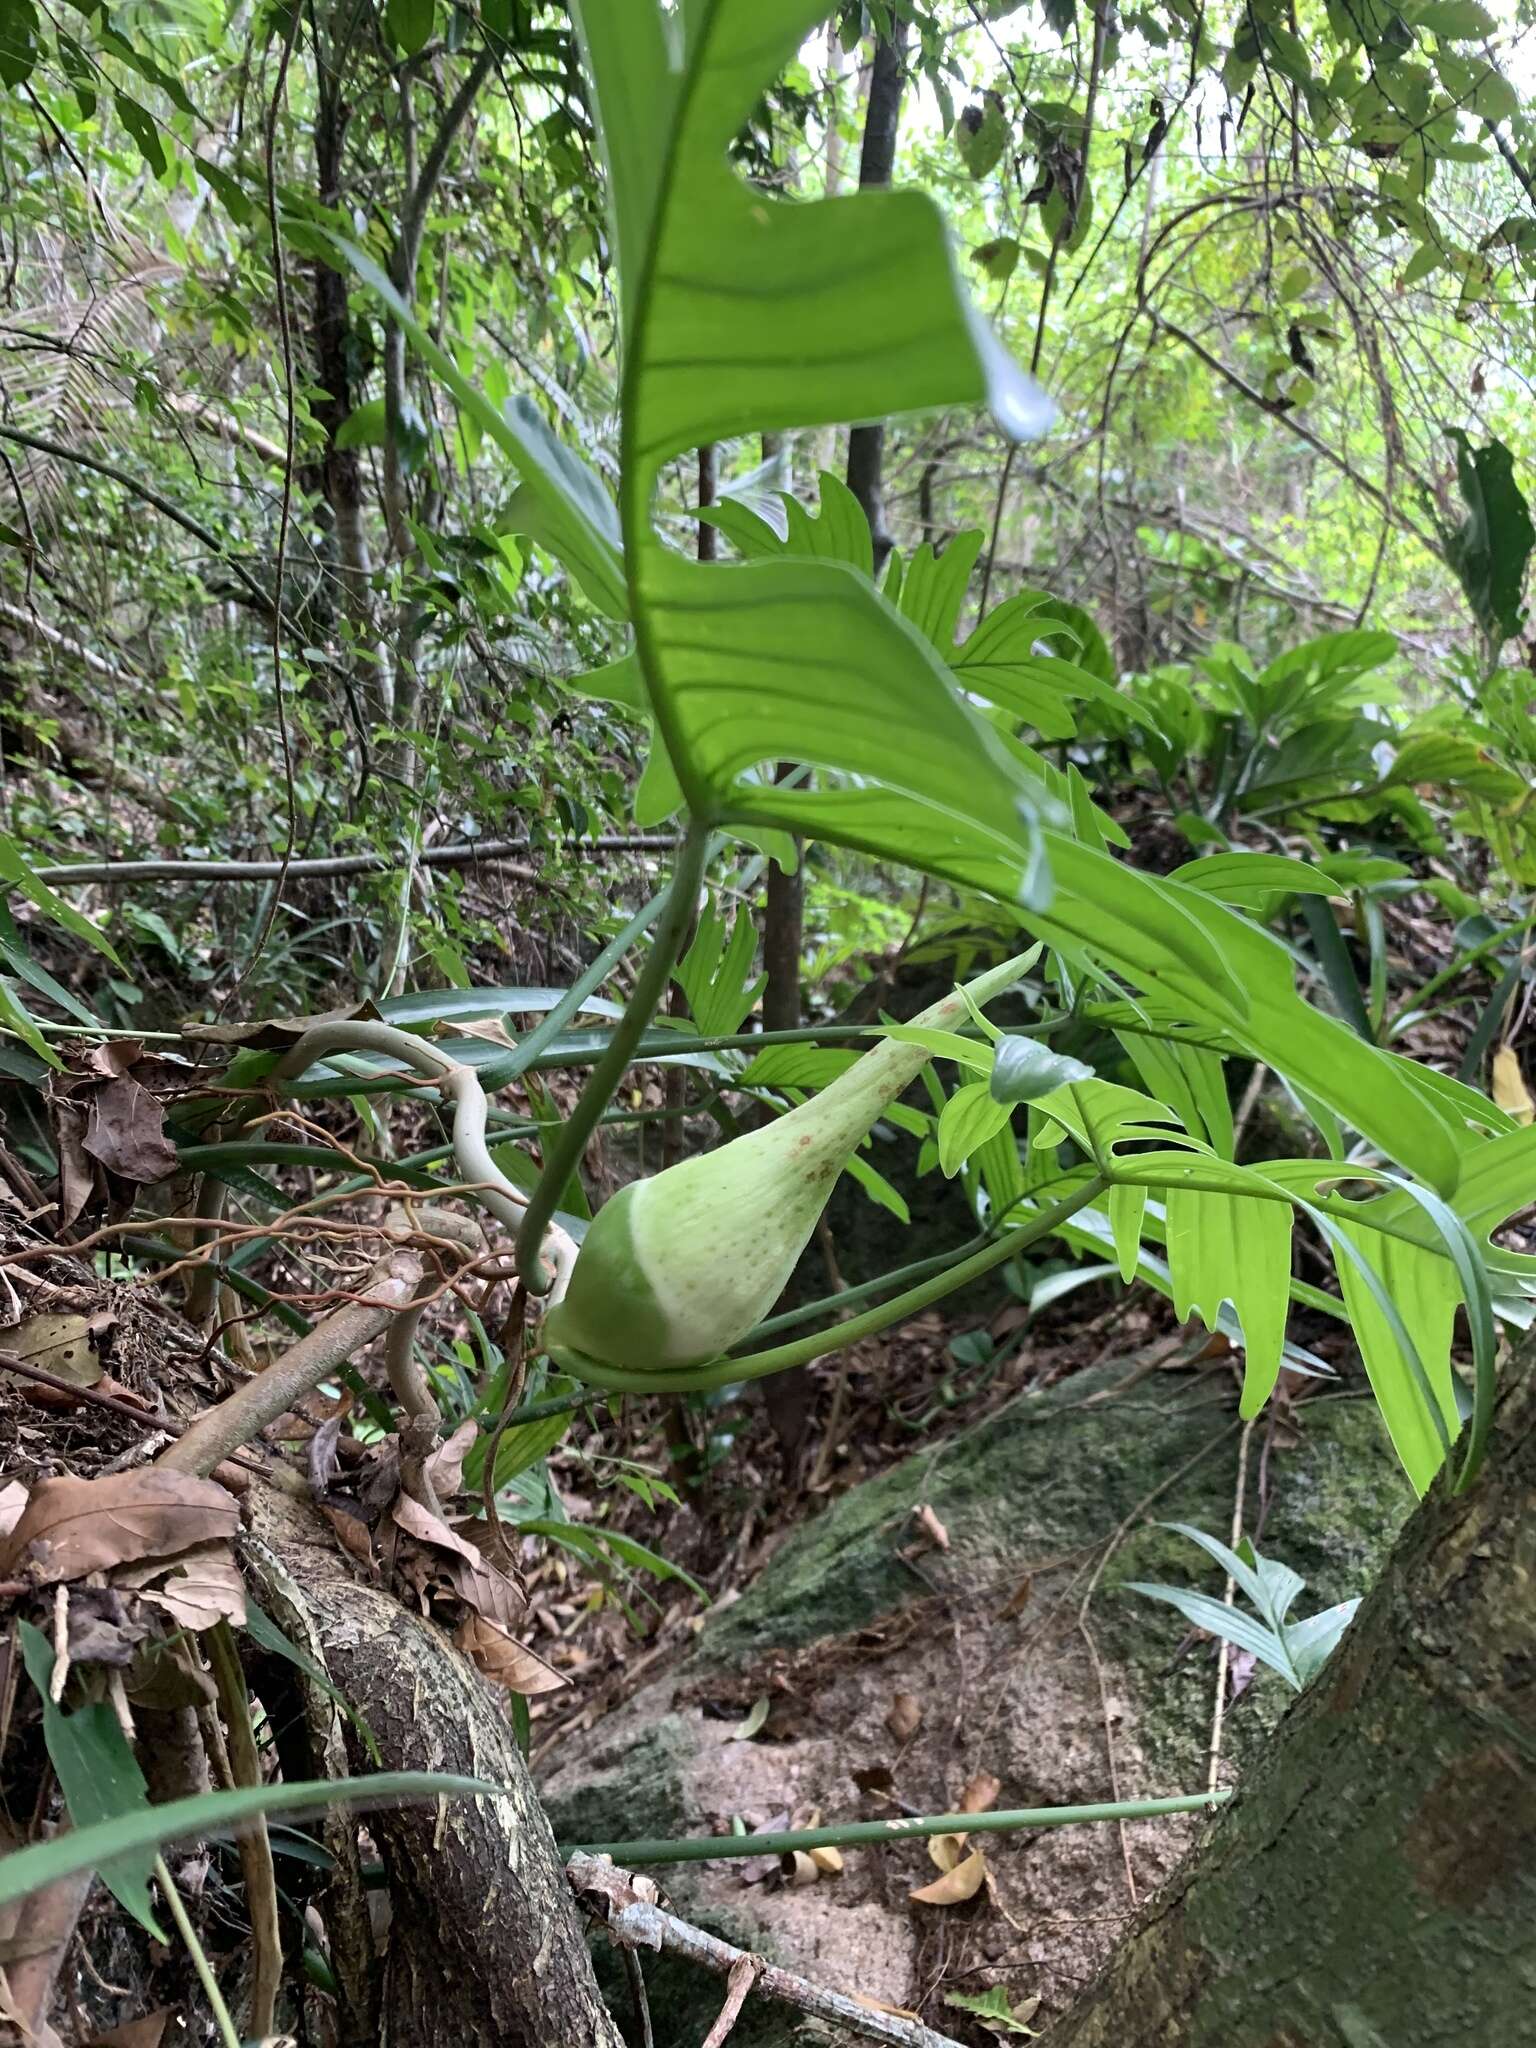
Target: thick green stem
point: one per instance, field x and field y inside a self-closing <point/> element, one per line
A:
<point x="567" y="1148"/>
<point x="726" y="1372"/>
<point x="705" y="1848"/>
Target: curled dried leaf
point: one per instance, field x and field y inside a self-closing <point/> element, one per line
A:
<point x="955" y="1886"/>
<point x="980" y="1793"/>
<point x="503" y="1661"/>
<point x="905" y="1716"/>
<point x="197" y="1589"/>
<point x="897" y="2012"/>
<point x="931" y="1526"/>
<point x="828" y="1860"/>
<point x="445" y="1467"/>
<point x="946" y="1850"/>
<point x="803" y="1869"/>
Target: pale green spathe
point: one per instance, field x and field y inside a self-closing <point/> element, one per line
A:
<point x="677" y="1269"/>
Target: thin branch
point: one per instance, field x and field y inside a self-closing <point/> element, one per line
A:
<point x="462" y="854"/>
<point x="1314" y="441"/>
<point x="636" y="1921"/>
<point x="150" y="495"/>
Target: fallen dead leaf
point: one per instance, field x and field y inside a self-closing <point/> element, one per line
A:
<point x="73" y="1526"/>
<point x="905" y="1716"/>
<point x="1509" y="1089"/>
<point x="426" y="1527"/>
<point x="828" y="1860"/>
<point x="955" y="1886"/>
<point x="148" y="2032"/>
<point x="897" y="2012"/>
<point x="197" y="1589"/>
<point x="945" y="1851"/>
<point x="13" y="1498"/>
<point x="445" y="1467"/>
<point x="1022" y="1594"/>
<point x="276" y="1033"/>
<point x="503" y="1661"/>
<point x="803" y="1870"/>
<point x="69" y="1347"/>
<point x="931" y="1526"/>
<point x="125" y="1131"/>
<point x="980" y="1793"/>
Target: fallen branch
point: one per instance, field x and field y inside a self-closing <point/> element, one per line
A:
<point x="628" y="1908"/>
<point x="461" y="854"/>
<point x="252" y="1407"/>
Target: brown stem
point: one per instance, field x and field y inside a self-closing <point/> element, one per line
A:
<point x="252" y="1407"/>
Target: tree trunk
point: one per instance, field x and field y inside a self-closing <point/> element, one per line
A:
<point x="341" y="479"/>
<point x="484" y="1942"/>
<point x="866" y="444"/>
<point x="1373" y="1885"/>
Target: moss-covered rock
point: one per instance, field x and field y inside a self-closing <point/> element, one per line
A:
<point x="1066" y="1490"/>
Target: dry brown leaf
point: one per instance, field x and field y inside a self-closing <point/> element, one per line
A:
<point x="13" y="1498"/>
<point x="1022" y="1594"/>
<point x="803" y="1870"/>
<point x="199" y="1588"/>
<point x="125" y="1132"/>
<point x="165" y="1677"/>
<point x="945" y="1851"/>
<point x="1509" y="1089"/>
<point x="67" y="1346"/>
<point x="426" y="1527"/>
<point x="73" y="1526"/>
<point x="931" y="1526"/>
<point x="503" y="1661"/>
<point x="148" y="2032"/>
<point x="828" y="1860"/>
<point x="351" y="1533"/>
<point x="905" y="1717"/>
<point x="897" y="2012"/>
<point x="980" y="1793"/>
<point x="955" y="1886"/>
<point x="276" y="1033"/>
<point x="492" y="1029"/>
<point x="445" y="1467"/>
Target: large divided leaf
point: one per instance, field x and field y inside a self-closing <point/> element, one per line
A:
<point x="744" y="313"/>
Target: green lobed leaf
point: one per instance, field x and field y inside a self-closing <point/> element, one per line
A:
<point x="1236" y="1248"/>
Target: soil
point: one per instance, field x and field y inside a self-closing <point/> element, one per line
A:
<point x="982" y="1578"/>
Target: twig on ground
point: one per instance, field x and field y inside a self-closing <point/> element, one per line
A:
<point x="744" y="1975"/>
<point x="634" y="1970"/>
<point x="628" y="1907"/>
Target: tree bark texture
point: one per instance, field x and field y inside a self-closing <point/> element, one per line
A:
<point x="484" y="1947"/>
<point x="866" y="444"/>
<point x="1373" y="1885"/>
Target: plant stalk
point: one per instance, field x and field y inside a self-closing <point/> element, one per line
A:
<point x="705" y="1848"/>
<point x="567" y="1148"/>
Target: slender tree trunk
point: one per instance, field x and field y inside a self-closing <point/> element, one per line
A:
<point x="341" y="479"/>
<point x="866" y="444"/>
<point x="1373" y="1885"/>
